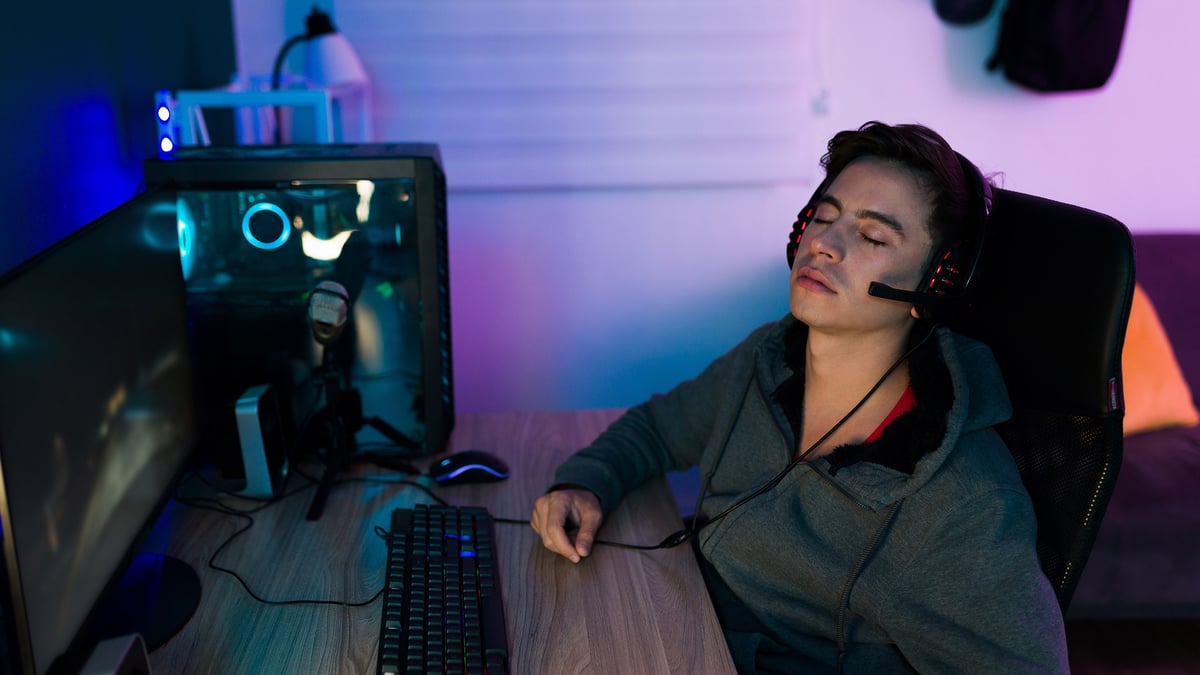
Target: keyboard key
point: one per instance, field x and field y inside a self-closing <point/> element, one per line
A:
<point x="491" y="612"/>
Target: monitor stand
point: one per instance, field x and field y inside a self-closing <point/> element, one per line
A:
<point x="156" y="598"/>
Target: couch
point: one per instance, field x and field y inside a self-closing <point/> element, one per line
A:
<point x="1145" y="562"/>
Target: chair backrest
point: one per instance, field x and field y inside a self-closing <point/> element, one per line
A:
<point x="1052" y="298"/>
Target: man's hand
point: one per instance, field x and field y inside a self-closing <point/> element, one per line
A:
<point x="552" y="512"/>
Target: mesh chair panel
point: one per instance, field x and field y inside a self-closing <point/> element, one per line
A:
<point x="1067" y="465"/>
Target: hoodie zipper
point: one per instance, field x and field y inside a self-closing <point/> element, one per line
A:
<point x="839" y="628"/>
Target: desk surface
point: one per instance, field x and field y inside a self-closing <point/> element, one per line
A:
<point x="618" y="611"/>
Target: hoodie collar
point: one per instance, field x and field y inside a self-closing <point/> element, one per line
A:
<point x="945" y="373"/>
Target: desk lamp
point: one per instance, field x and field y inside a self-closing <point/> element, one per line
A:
<point x="330" y="62"/>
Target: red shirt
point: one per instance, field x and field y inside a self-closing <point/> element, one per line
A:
<point x="907" y="402"/>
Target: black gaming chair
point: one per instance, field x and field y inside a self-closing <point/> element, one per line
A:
<point x="1052" y="296"/>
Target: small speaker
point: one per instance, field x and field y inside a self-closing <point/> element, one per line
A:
<point x="262" y="442"/>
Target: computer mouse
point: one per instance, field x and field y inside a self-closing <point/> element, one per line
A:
<point x="468" y="466"/>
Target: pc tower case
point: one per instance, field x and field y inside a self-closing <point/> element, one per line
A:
<point x="261" y="226"/>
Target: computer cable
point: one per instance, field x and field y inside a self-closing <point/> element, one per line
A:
<point x="214" y="504"/>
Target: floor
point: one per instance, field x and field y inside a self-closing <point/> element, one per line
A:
<point x="1133" y="647"/>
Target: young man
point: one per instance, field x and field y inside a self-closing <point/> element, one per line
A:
<point x="863" y="515"/>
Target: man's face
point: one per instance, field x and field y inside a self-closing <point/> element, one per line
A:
<point x="870" y="225"/>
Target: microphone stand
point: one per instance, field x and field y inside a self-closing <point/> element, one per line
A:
<point x="340" y="438"/>
<point x="343" y="418"/>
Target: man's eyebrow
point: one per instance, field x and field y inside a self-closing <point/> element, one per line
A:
<point x="883" y="218"/>
<point x="867" y="214"/>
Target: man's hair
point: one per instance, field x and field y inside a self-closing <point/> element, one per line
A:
<point x="955" y="213"/>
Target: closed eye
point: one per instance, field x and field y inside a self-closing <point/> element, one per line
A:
<point x="869" y="240"/>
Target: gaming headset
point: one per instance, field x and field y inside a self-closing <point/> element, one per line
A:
<point x="950" y="272"/>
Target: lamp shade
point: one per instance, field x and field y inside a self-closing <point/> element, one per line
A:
<point x="331" y="62"/>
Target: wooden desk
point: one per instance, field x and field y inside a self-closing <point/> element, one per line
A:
<point x="618" y="611"/>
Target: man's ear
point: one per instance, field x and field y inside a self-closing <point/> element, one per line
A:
<point x="916" y="313"/>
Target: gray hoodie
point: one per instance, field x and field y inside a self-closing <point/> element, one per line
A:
<point x="848" y="564"/>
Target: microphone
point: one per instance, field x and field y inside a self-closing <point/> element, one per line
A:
<point x="882" y="290"/>
<point x="327" y="311"/>
<point x="350" y="267"/>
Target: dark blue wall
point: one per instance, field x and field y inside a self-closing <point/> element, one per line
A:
<point x="78" y="102"/>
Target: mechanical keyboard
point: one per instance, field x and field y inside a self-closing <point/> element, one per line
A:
<point x="442" y="607"/>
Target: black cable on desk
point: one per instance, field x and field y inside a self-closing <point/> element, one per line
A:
<point x="213" y="504"/>
<point x="671" y="541"/>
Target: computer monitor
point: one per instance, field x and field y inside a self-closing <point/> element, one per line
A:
<point x="96" y="425"/>
<point x="263" y="226"/>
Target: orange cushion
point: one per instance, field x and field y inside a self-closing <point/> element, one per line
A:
<point x="1156" y="393"/>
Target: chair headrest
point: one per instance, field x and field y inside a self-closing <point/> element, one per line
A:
<point x="1051" y="299"/>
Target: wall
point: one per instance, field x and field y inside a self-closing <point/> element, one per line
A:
<point x="1124" y="150"/>
<point x="76" y="110"/>
<point x="580" y="289"/>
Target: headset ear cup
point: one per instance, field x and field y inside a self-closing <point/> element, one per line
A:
<point x="952" y="270"/>
<point x="802" y="220"/>
<point x="944" y="275"/>
<point x="960" y="261"/>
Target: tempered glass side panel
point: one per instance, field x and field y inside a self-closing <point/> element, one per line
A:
<point x="252" y="255"/>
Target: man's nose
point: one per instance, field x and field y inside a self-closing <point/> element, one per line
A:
<point x="828" y="242"/>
